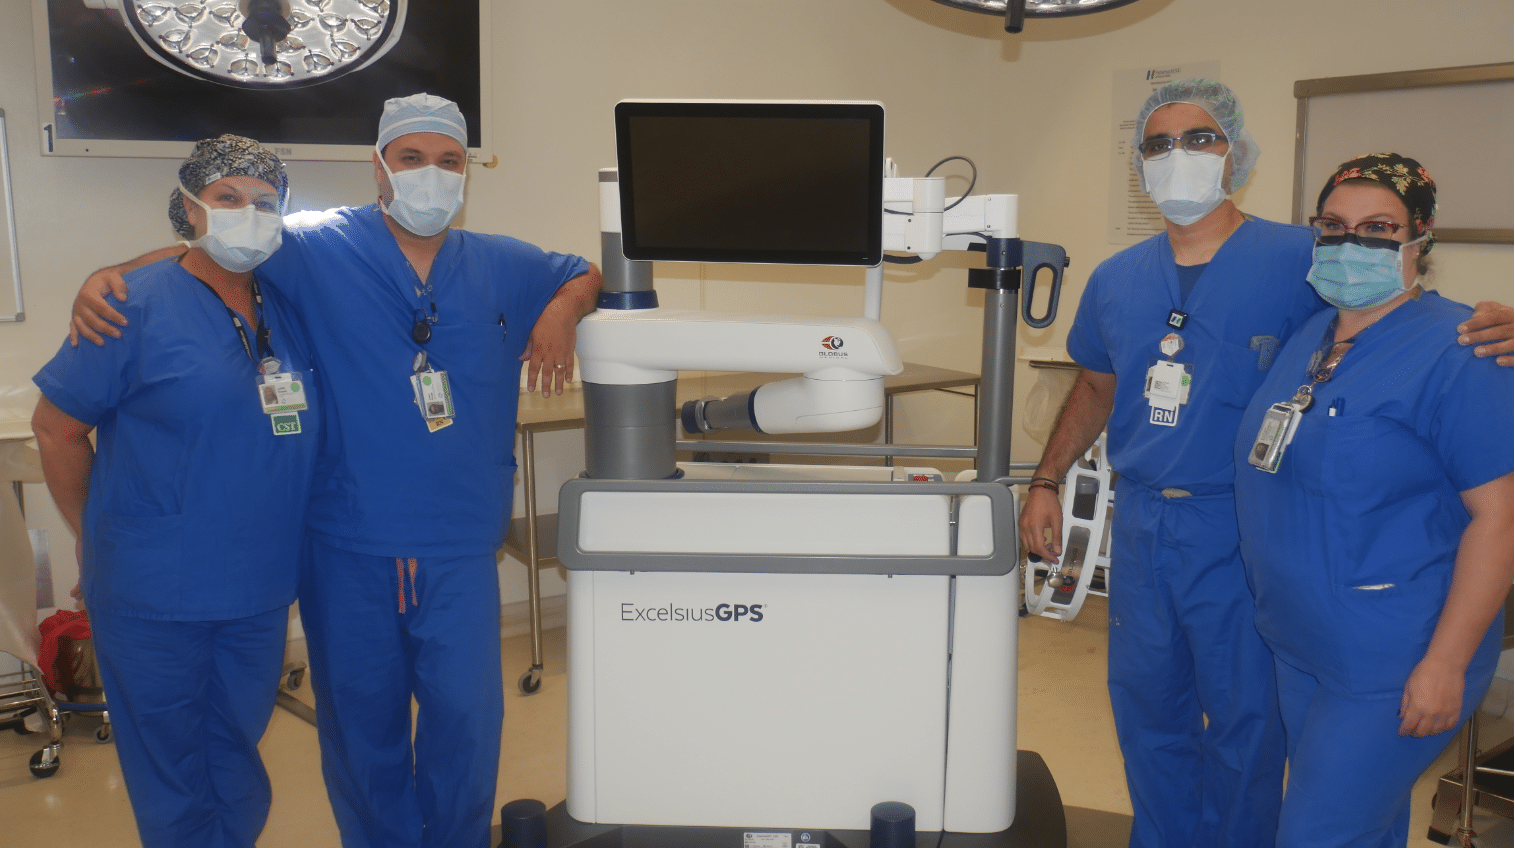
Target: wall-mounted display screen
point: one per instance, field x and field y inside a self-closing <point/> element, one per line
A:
<point x="754" y="182"/>
<point x="101" y="94"/>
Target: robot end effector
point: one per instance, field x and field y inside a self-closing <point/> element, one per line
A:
<point x="798" y="405"/>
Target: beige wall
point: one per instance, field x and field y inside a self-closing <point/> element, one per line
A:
<point x="1033" y="110"/>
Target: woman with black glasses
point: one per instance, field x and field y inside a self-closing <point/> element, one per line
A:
<point x="1373" y="490"/>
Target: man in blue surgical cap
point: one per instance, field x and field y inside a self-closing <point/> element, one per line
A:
<point x="420" y="331"/>
<point x="1174" y="335"/>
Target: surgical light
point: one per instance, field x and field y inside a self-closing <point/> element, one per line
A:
<point x="1015" y="11"/>
<point x="260" y="44"/>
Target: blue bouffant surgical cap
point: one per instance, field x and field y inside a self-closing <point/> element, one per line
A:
<point x="421" y="113"/>
<point x="1221" y="103"/>
<point x="217" y="158"/>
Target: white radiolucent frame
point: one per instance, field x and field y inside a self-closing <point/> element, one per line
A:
<point x="10" y="259"/>
<point x="52" y="145"/>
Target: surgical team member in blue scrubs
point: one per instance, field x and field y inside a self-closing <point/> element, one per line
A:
<point x="399" y="593"/>
<point x="190" y="514"/>
<point x="1378" y="541"/>
<point x="1199" y="309"/>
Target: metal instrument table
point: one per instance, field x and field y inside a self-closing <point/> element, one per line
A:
<point x="532" y="538"/>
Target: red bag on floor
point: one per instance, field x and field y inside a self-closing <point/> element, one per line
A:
<point x="55" y="659"/>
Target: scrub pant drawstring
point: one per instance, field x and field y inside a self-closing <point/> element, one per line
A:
<point x="400" y="582"/>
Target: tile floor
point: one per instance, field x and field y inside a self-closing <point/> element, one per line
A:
<point x="1064" y="716"/>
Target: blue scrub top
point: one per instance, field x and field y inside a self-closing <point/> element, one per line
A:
<point x="1250" y="297"/>
<point x="1369" y="497"/>
<point x="385" y="484"/>
<point x="196" y="509"/>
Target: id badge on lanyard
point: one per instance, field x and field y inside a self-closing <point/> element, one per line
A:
<point x="283" y="396"/>
<point x="433" y="394"/>
<point x="1168" y="382"/>
<point x="1274" y="436"/>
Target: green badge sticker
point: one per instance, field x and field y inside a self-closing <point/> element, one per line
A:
<point x="286" y="424"/>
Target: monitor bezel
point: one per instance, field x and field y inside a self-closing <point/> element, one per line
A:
<point x="871" y="111"/>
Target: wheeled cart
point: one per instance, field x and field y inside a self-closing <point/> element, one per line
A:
<point x="730" y="677"/>
<point x="23" y="694"/>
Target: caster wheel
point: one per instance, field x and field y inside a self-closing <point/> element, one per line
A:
<point x="294" y="680"/>
<point x="531" y="681"/>
<point x="44" y="766"/>
<point x="102" y="734"/>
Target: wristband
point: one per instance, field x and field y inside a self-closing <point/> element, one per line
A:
<point x="1044" y="483"/>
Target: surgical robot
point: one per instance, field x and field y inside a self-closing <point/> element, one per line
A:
<point x="788" y="656"/>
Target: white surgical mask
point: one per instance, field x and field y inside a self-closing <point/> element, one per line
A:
<point x="1186" y="186"/>
<point x="238" y="240"/>
<point x="425" y="199"/>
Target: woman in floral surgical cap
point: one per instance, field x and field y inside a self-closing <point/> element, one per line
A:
<point x="190" y="506"/>
<point x="1373" y="488"/>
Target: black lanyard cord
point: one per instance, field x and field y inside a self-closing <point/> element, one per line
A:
<point x="265" y="349"/>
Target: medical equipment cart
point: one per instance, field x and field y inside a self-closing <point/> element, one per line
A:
<point x="762" y="655"/>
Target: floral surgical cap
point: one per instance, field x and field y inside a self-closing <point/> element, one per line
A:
<point x="1399" y="174"/>
<point x="218" y="158"/>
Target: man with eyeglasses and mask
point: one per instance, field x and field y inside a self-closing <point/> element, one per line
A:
<point x="1174" y="335"/>
<point x="419" y="332"/>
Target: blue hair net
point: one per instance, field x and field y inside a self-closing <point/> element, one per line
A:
<point x="1221" y="103"/>
<point x="421" y="113"/>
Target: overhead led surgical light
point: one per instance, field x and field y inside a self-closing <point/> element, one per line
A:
<point x="261" y="44"/>
<point x="1016" y="11"/>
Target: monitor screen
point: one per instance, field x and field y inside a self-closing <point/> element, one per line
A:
<point x="754" y="182"/>
<point x="101" y="94"/>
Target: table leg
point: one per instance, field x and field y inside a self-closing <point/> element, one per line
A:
<point x="531" y="681"/>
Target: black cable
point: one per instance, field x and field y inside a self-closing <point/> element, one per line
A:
<point x="971" y="182"/>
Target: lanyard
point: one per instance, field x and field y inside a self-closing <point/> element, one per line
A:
<point x="421" y="329"/>
<point x="1323" y="363"/>
<point x="1329" y="355"/>
<point x="265" y="350"/>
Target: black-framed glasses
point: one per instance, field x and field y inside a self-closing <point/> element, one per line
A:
<point x="1367" y="233"/>
<point x="1194" y="142"/>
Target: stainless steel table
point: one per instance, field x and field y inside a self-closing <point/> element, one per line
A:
<point x="533" y="537"/>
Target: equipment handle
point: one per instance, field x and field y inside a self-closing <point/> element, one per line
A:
<point x="1037" y="256"/>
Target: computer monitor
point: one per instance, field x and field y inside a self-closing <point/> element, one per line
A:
<point x="797" y="183"/>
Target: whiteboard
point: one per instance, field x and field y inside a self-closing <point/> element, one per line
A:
<point x="11" y="309"/>
<point x="1455" y="121"/>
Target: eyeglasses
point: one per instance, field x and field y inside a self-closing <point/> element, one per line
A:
<point x="1195" y="142"/>
<point x="1367" y="233"/>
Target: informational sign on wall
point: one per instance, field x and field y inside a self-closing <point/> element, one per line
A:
<point x="1133" y="216"/>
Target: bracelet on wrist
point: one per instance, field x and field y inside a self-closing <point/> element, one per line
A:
<point x="1044" y="483"/>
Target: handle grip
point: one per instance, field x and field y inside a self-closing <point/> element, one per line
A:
<point x="1035" y="257"/>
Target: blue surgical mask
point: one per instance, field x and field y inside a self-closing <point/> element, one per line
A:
<point x="425" y="199"/>
<point x="1353" y="277"/>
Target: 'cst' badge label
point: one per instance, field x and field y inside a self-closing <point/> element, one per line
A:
<point x="285" y="424"/>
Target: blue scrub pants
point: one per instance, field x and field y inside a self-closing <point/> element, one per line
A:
<point x="1350" y="772"/>
<point x="380" y="633"/>
<point x="1191" y="682"/>
<point x="189" y="701"/>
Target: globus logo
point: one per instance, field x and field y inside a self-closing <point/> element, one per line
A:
<point x="832" y="343"/>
